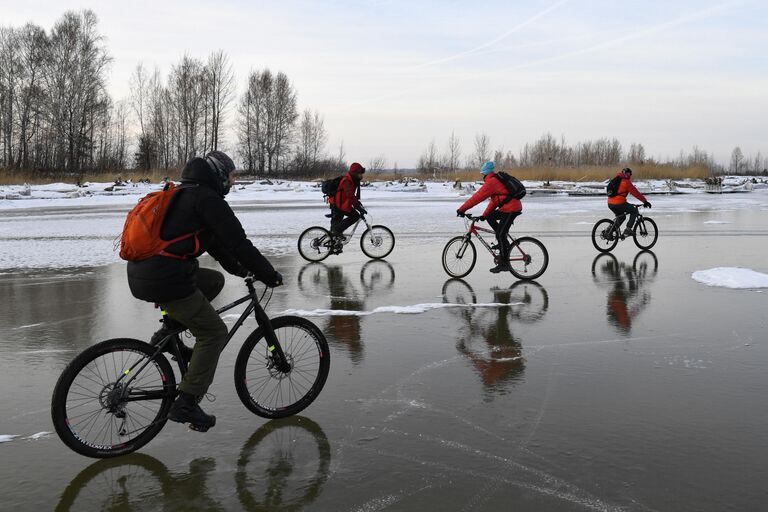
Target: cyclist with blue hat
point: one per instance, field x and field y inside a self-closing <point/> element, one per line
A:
<point x="500" y="212"/>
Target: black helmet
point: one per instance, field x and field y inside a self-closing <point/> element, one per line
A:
<point x="222" y="166"/>
<point x="627" y="171"/>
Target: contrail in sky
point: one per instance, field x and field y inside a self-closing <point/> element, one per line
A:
<point x="492" y="41"/>
<point x="700" y="14"/>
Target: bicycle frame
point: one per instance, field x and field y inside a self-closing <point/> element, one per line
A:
<point x="640" y="221"/>
<point x="476" y="230"/>
<point x="261" y="318"/>
<point x="362" y="218"/>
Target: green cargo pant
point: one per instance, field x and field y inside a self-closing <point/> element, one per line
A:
<point x="206" y="326"/>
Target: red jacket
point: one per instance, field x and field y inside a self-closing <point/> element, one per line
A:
<point x="347" y="196"/>
<point x="625" y="187"/>
<point x="495" y="189"/>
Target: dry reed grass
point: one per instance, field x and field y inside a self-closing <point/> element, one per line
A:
<point x="576" y="174"/>
<point x="596" y="173"/>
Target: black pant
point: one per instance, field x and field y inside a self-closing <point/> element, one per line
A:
<point x="625" y="209"/>
<point x="501" y="222"/>
<point x="338" y="221"/>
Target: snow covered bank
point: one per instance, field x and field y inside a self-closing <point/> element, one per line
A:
<point x="731" y="277"/>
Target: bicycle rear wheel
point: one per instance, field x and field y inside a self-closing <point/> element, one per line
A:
<point x="646" y="233"/>
<point x="105" y="404"/>
<point x="377" y="242"/>
<point x="459" y="256"/>
<point x="605" y="235"/>
<point x="271" y="393"/>
<point x="528" y="258"/>
<point x="315" y="243"/>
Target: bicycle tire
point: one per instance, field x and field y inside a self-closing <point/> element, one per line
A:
<point x="535" y="258"/>
<point x="314" y="243"/>
<point x="158" y="377"/>
<point x="377" y="242"/>
<point x="605" y="236"/>
<point x="377" y="275"/>
<point x="648" y="239"/>
<point x="255" y="375"/>
<point x="138" y="478"/>
<point x="283" y="465"/>
<point x="455" y="255"/>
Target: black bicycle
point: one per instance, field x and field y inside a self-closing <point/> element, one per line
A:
<point x="317" y="243"/>
<point x="114" y="397"/>
<point x="607" y="233"/>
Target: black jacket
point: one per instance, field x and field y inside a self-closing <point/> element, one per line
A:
<point x="198" y="205"/>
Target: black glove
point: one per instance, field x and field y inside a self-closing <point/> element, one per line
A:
<point x="480" y="218"/>
<point x="362" y="210"/>
<point x="275" y="280"/>
<point x="646" y="204"/>
<point x="241" y="272"/>
<point x="460" y="213"/>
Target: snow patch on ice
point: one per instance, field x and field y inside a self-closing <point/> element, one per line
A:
<point x="731" y="277"/>
<point x="716" y="222"/>
<point x="4" y="438"/>
<point x="402" y="310"/>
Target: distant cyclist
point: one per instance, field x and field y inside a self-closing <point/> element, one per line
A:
<point x="500" y="212"/>
<point x="346" y="207"/>
<point x="618" y="203"/>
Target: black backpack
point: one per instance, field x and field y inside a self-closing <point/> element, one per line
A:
<point x="612" y="188"/>
<point x="515" y="188"/>
<point x="329" y="187"/>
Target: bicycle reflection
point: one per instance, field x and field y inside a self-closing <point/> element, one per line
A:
<point x="330" y="281"/>
<point x="498" y="361"/>
<point x="282" y="466"/>
<point x="628" y="294"/>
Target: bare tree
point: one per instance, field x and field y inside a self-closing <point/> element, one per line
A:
<point x="737" y="161"/>
<point x="482" y="149"/>
<point x="453" y="153"/>
<point x="429" y="161"/>
<point x="377" y="163"/>
<point x="221" y="88"/>
<point x="311" y="141"/>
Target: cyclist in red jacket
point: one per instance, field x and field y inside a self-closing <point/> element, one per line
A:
<point x="618" y="203"/>
<point x="500" y="212"/>
<point x="346" y="203"/>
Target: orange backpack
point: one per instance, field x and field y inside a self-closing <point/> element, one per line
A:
<point x="140" y="238"/>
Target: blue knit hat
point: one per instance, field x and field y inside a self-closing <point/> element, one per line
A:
<point x="487" y="168"/>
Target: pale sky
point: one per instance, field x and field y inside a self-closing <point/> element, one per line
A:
<point x="390" y="75"/>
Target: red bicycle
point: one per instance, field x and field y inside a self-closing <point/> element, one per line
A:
<point x="528" y="258"/>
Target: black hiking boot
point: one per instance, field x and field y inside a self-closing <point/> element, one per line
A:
<point x="168" y="327"/>
<point x="500" y="268"/>
<point x="186" y="410"/>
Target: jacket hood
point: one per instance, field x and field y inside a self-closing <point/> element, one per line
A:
<point x="197" y="170"/>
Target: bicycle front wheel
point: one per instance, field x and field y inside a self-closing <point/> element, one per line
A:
<point x="646" y="233"/>
<point x="315" y="243"/>
<point x="271" y="393"/>
<point x="528" y="258"/>
<point x="113" y="398"/>
<point x="377" y="242"/>
<point x="459" y="256"/>
<point x="605" y="236"/>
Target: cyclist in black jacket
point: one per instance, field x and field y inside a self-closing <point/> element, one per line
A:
<point x="183" y="289"/>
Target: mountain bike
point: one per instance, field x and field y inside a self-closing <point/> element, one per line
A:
<point x="607" y="233"/>
<point x="528" y="258"/>
<point x="317" y="243"/>
<point x="114" y="397"/>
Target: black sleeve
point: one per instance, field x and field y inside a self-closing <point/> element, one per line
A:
<point x="229" y="236"/>
<point x="225" y="259"/>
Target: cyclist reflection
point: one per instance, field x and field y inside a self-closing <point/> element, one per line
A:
<point x="283" y="466"/>
<point x="628" y="295"/>
<point x="499" y="361"/>
<point x="331" y="281"/>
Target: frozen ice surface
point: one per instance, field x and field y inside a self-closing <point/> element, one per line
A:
<point x="731" y="277"/>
